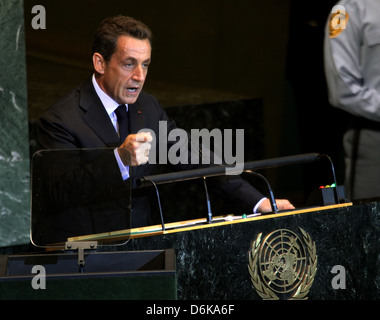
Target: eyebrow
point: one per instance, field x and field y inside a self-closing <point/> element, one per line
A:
<point x="135" y="60"/>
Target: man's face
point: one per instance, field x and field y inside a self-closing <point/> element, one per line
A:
<point x="123" y="76"/>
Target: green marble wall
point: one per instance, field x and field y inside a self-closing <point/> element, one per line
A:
<point x="14" y="146"/>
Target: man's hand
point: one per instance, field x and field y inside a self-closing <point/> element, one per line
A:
<point x="134" y="151"/>
<point x="282" y="204"/>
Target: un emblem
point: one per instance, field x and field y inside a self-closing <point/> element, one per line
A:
<point x="283" y="265"/>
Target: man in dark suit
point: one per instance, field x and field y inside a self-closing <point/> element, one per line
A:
<point x="87" y="117"/>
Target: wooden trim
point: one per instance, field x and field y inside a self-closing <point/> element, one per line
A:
<point x="182" y="226"/>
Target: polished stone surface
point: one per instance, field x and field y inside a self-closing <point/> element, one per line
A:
<point x="212" y="263"/>
<point x="14" y="148"/>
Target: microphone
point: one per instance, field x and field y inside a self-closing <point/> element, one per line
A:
<point x="218" y="170"/>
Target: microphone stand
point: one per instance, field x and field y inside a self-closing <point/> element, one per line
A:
<point x="159" y="202"/>
<point x="271" y="196"/>
<point x="221" y="170"/>
<point x="209" y="213"/>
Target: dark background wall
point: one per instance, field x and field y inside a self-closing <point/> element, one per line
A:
<point x="206" y="51"/>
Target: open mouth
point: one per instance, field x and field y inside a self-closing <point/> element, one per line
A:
<point x="132" y="90"/>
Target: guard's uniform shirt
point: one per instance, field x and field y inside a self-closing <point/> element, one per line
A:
<point x="352" y="68"/>
<point x="352" y="57"/>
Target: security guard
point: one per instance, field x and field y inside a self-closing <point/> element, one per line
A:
<point x="352" y="68"/>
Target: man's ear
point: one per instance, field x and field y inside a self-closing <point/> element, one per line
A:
<point x="99" y="63"/>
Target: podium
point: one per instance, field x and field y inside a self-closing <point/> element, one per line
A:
<point x="324" y="253"/>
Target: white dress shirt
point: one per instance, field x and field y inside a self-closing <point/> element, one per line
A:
<point x="110" y="105"/>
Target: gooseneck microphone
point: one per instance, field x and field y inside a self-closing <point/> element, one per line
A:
<point x="218" y="170"/>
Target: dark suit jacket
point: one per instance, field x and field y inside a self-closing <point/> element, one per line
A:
<point x="79" y="120"/>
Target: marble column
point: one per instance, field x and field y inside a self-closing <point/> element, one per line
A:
<point x="14" y="136"/>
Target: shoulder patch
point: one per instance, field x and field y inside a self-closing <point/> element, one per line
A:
<point x="337" y="23"/>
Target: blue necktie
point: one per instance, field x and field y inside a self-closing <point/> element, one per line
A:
<point x="122" y="120"/>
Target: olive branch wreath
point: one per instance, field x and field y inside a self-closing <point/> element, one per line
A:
<point x="306" y="282"/>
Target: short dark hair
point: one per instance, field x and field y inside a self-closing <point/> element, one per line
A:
<point x="110" y="29"/>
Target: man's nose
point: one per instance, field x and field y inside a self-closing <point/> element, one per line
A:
<point x="139" y="74"/>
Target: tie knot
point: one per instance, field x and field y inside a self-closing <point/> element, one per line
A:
<point x="121" y="111"/>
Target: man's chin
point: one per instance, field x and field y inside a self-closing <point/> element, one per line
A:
<point x="130" y="100"/>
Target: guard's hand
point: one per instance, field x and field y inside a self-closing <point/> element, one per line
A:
<point x="282" y="204"/>
<point x="134" y="151"/>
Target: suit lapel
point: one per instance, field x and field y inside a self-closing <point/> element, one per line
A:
<point x="96" y="116"/>
<point x="98" y="120"/>
<point x="136" y="117"/>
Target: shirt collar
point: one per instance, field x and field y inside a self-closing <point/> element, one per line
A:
<point x="109" y="104"/>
